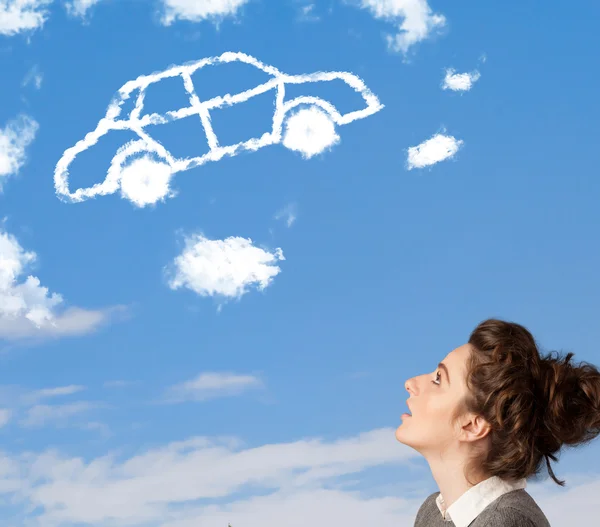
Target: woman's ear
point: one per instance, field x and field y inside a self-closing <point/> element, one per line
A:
<point x="473" y="428"/>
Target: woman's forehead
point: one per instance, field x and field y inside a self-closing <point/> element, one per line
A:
<point x="456" y="360"/>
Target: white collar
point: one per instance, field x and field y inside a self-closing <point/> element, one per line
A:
<point x="466" y="508"/>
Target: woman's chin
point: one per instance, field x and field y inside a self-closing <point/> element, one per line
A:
<point x="401" y="438"/>
<point x="399" y="434"/>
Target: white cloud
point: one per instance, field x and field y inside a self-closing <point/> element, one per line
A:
<point x="80" y="8"/>
<point x="18" y="16"/>
<point x="43" y="414"/>
<point x="310" y="131"/>
<point x="147" y="488"/>
<point x="434" y="150"/>
<point x="307" y="13"/>
<point x="15" y="137"/>
<point x="27" y="309"/>
<point x="198" y="10"/>
<point x="288" y="213"/>
<point x="34" y="76"/>
<point x="227" y="268"/>
<point x="570" y="505"/>
<point x="146" y="181"/>
<point x="414" y="19"/>
<point x="202" y="482"/>
<point x="27" y="299"/>
<point x="459" y="81"/>
<point x="37" y="415"/>
<point x="5" y="415"/>
<point x="47" y="393"/>
<point x="211" y="385"/>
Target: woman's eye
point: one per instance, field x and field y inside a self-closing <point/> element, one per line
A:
<point x="437" y="378"/>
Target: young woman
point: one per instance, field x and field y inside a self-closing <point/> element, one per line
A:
<point x="486" y="420"/>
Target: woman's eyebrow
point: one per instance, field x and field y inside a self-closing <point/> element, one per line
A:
<point x="442" y="366"/>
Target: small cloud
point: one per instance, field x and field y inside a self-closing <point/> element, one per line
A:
<point x="33" y="76"/>
<point x="307" y="13"/>
<point x="414" y="20"/>
<point x="18" y="16"/>
<point x="47" y="393"/>
<point x="15" y="137"/>
<point x="211" y="386"/>
<point x="199" y="10"/>
<point x="96" y="426"/>
<point x="5" y="415"/>
<point x="226" y="268"/>
<point x="459" y="81"/>
<point x="41" y="415"/>
<point x="80" y="8"/>
<point x="310" y="131"/>
<point x="436" y="149"/>
<point x="36" y="414"/>
<point x="146" y="181"/>
<point x="28" y="310"/>
<point x="288" y="213"/>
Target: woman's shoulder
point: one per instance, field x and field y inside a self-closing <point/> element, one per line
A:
<point x="515" y="509"/>
<point x="430" y="502"/>
<point x="428" y="512"/>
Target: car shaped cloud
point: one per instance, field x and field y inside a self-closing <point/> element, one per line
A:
<point x="146" y="145"/>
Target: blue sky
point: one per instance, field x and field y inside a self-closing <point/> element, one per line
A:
<point x="128" y="401"/>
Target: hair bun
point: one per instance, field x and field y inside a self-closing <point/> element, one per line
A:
<point x="570" y="396"/>
<point x="535" y="403"/>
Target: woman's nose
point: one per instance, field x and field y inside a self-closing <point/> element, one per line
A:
<point x="409" y="386"/>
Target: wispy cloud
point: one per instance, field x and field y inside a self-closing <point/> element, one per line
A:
<point x="283" y="476"/>
<point x="198" y="10"/>
<point x="306" y="13"/>
<point x="28" y="309"/>
<point x="15" y="137"/>
<point x="18" y="16"/>
<point x="96" y="426"/>
<point x="225" y="268"/>
<point x="43" y="414"/>
<point x="47" y="393"/>
<point x="308" y="481"/>
<point x="212" y="385"/>
<point x="30" y="410"/>
<point x="80" y="8"/>
<point x="5" y="415"/>
<point x="288" y="213"/>
<point x="436" y="149"/>
<point x="459" y="81"/>
<point x="414" y="19"/>
<point x="34" y="76"/>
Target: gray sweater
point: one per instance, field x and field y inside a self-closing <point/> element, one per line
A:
<point x="513" y="509"/>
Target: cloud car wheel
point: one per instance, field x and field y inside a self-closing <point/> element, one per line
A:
<point x="144" y="175"/>
<point x="309" y="130"/>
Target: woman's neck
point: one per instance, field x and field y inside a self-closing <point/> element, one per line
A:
<point x="451" y="480"/>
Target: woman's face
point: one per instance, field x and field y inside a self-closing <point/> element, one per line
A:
<point x="433" y="399"/>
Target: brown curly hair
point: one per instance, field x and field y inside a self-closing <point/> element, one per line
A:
<point x="534" y="403"/>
